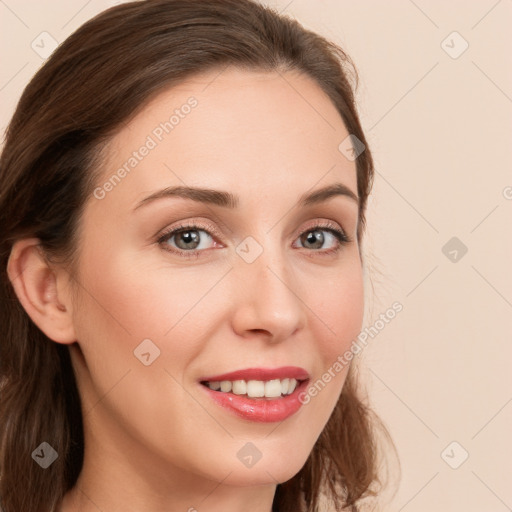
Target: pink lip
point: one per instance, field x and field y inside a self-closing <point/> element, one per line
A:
<point x="291" y="372"/>
<point x="263" y="409"/>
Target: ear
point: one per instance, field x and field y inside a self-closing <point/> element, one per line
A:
<point x="42" y="290"/>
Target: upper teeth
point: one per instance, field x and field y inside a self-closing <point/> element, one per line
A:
<point x="255" y="388"/>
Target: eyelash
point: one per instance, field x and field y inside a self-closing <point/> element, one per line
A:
<point x="340" y="236"/>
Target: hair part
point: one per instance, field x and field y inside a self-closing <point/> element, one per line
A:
<point x="92" y="85"/>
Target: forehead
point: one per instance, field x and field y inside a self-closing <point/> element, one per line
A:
<point x="255" y="132"/>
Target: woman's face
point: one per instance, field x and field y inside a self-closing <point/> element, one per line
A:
<point x="255" y="282"/>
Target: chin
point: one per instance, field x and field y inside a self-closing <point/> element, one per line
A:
<point x="275" y="469"/>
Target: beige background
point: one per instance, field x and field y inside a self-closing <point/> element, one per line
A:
<point x="439" y="128"/>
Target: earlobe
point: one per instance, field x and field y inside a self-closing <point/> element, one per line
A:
<point x="35" y="284"/>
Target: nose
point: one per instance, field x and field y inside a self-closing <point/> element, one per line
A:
<point x="266" y="299"/>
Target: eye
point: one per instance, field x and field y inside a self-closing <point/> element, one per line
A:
<point x="315" y="237"/>
<point x="190" y="240"/>
<point x="186" y="240"/>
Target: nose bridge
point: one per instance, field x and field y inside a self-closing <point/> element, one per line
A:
<point x="267" y="298"/>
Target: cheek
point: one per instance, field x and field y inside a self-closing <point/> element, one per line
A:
<point x="128" y="299"/>
<point x="339" y="309"/>
<point x="125" y="301"/>
<point x="339" y="312"/>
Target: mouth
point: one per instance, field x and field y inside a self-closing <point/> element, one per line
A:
<point x="257" y="394"/>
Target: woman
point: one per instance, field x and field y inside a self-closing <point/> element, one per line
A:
<point x="182" y="206"/>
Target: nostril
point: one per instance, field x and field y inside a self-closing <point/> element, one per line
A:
<point x="262" y="331"/>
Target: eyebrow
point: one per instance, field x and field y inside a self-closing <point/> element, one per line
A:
<point x="229" y="200"/>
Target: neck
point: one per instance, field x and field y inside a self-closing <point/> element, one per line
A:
<point x="217" y="497"/>
<point x="120" y="475"/>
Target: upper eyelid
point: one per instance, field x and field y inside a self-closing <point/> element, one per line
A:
<point x="183" y="226"/>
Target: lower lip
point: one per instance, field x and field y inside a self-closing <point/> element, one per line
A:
<point x="262" y="410"/>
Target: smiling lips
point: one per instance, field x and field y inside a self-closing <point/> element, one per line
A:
<point x="259" y="394"/>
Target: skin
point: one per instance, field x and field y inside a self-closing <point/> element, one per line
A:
<point x="154" y="441"/>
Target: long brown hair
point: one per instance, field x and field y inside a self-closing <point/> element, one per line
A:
<point x="102" y="75"/>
